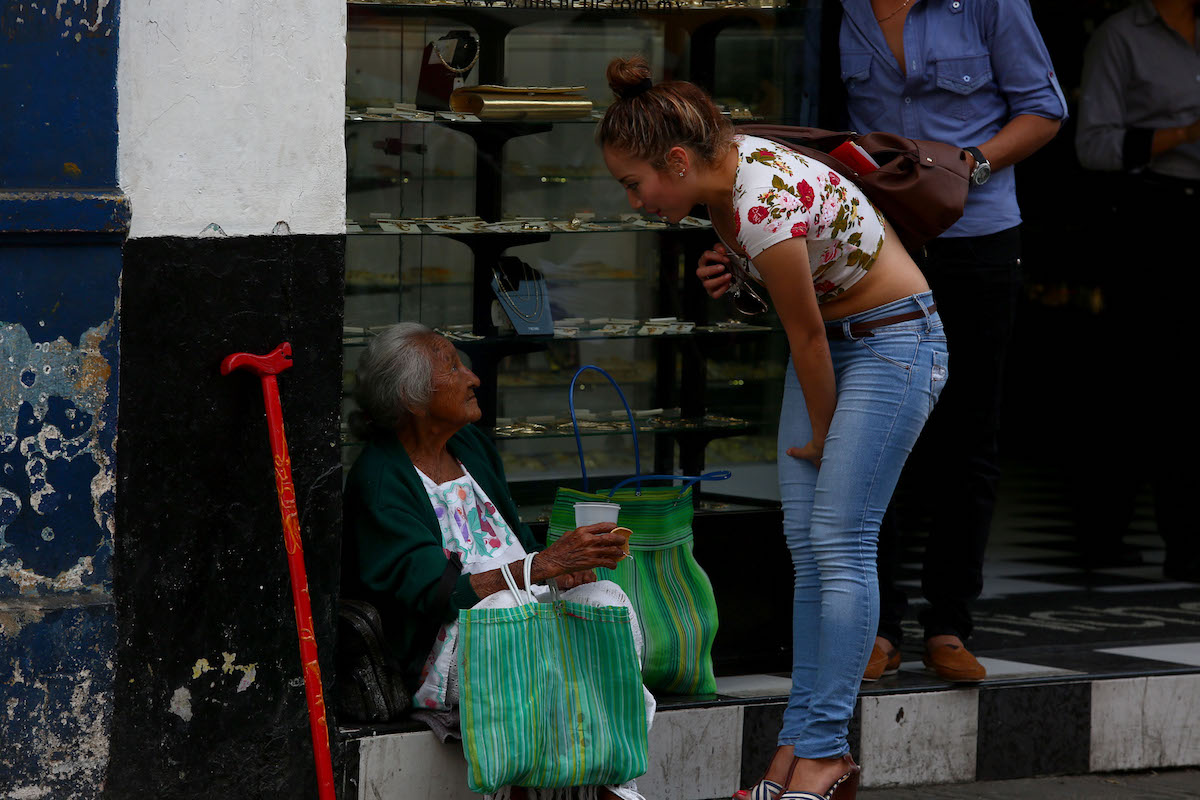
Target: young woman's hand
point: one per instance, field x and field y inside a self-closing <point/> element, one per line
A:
<point x="810" y="452"/>
<point x="712" y="272"/>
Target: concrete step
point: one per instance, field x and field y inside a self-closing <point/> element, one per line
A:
<point x="905" y="732"/>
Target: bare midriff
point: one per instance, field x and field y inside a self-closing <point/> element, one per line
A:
<point x="892" y="276"/>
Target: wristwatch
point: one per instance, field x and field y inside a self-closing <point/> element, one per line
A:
<point x="983" y="168"/>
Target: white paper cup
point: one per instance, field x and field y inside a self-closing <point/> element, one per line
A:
<point x="591" y="513"/>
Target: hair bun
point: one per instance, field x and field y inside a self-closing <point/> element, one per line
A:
<point x="629" y="77"/>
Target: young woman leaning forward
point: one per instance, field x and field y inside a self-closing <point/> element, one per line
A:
<point x="868" y="361"/>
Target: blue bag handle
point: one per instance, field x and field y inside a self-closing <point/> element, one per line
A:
<point x="718" y="475"/>
<point x="637" y="458"/>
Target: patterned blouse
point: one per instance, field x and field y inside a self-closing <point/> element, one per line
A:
<point x="475" y="531"/>
<point x="779" y="195"/>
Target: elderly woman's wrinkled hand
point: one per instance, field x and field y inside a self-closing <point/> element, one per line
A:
<point x="575" y="579"/>
<point x="585" y="549"/>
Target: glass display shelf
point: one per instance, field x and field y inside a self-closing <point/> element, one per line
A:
<point x="636" y="7"/>
<point x="516" y="126"/>
<point x="514" y="228"/>
<point x="470" y="190"/>
<point x="361" y="340"/>
<point x="377" y="281"/>
<point x="511" y="382"/>
<point x="710" y="424"/>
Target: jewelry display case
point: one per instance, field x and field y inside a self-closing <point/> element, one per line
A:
<point x="503" y="229"/>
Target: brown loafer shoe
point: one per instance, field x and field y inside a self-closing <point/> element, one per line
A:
<point x="953" y="663"/>
<point x="882" y="663"/>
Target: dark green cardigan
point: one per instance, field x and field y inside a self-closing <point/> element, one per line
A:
<point x="392" y="554"/>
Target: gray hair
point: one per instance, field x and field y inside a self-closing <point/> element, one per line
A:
<point x="394" y="378"/>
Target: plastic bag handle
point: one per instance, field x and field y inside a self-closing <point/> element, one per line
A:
<point x="518" y="594"/>
<point x="529" y="578"/>
<point x="637" y="458"/>
<point x="716" y="475"/>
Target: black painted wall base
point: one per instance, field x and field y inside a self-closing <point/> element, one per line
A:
<point x="209" y="697"/>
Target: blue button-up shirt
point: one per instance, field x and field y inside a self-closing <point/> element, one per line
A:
<point x="973" y="65"/>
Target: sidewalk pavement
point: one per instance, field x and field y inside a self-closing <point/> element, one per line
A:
<point x="1163" y="785"/>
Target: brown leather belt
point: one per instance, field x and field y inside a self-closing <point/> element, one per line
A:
<point x="860" y="330"/>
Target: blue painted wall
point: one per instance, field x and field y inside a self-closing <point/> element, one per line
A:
<point x="58" y="100"/>
<point x="62" y="225"/>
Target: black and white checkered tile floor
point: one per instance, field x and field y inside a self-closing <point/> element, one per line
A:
<point x="1088" y="669"/>
<point x="1043" y="613"/>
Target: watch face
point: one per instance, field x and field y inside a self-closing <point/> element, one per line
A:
<point x="981" y="174"/>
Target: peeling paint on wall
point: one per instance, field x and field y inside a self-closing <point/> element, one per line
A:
<point x="248" y="670"/>
<point x="181" y="699"/>
<point x="181" y="704"/>
<point x="29" y="582"/>
<point x="56" y="680"/>
<point x="57" y="505"/>
<point x="77" y="16"/>
<point x="53" y="407"/>
<point x="63" y="220"/>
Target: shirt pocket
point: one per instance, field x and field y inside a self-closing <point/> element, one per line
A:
<point x="962" y="79"/>
<point x="856" y="66"/>
<point x="864" y="99"/>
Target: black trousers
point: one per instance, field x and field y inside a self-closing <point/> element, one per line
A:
<point x="949" y="482"/>
<point x="1144" y="406"/>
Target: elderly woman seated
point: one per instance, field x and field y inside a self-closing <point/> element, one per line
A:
<point x="427" y="494"/>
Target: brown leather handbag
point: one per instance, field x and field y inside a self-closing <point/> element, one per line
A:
<point x="920" y="186"/>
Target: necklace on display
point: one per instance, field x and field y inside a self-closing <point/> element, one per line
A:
<point x="458" y="70"/>
<point x="903" y="6"/>
<point x="510" y="294"/>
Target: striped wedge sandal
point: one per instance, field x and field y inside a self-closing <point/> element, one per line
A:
<point x="844" y="788"/>
<point x="763" y="790"/>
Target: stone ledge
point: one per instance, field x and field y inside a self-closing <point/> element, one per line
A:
<point x="695" y="754"/>
<point x="1006" y="731"/>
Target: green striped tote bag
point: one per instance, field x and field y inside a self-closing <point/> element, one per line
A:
<point x="671" y="594"/>
<point x="550" y="695"/>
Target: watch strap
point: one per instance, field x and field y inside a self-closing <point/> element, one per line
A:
<point x="979" y="157"/>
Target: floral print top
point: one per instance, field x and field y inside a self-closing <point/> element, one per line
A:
<point x="473" y="529"/>
<point x="779" y="195"/>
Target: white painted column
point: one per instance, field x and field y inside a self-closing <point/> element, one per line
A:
<point x="232" y="112"/>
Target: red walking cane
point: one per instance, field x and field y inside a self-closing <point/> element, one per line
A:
<point x="267" y="367"/>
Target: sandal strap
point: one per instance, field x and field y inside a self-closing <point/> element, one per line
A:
<point x="765" y="790"/>
<point x="798" y="795"/>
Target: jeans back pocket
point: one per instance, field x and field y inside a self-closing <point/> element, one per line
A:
<point x="938" y="374"/>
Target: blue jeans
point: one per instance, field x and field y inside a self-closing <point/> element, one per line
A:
<point x="887" y="384"/>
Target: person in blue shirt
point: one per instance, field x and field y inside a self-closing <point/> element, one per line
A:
<point x="976" y="74"/>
